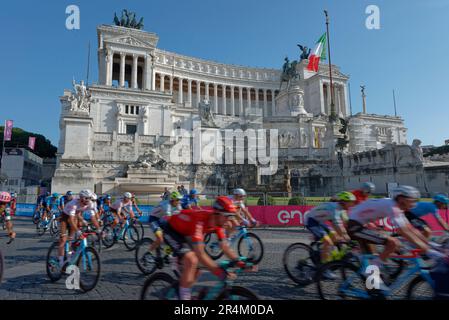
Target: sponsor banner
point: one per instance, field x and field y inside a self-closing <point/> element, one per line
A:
<point x="25" y="209"/>
<point x="31" y="142"/>
<point x="7" y="134"/>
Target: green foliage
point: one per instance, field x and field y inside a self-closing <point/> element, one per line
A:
<point x="296" y="201"/>
<point x="439" y="150"/>
<point x="270" y="201"/>
<point x="43" y="147"/>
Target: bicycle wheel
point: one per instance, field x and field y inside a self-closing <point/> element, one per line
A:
<point x="420" y="289"/>
<point x="237" y="293"/>
<point x="109" y="236"/>
<point x="131" y="238"/>
<point x="89" y="266"/>
<point x="141" y="230"/>
<point x="251" y="246"/>
<point x="298" y="263"/>
<point x="41" y="228"/>
<point x="145" y="260"/>
<point x="339" y="280"/>
<point x="212" y="246"/>
<point x="2" y="266"/>
<point x="160" y="286"/>
<point x="94" y="241"/>
<point x="52" y="263"/>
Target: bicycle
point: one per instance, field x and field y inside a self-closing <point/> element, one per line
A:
<point x="37" y="215"/>
<point x="85" y="258"/>
<point x="128" y="233"/>
<point x="148" y="263"/>
<point x="43" y="225"/>
<point x="162" y="286"/>
<point x="248" y="245"/>
<point x="351" y="280"/>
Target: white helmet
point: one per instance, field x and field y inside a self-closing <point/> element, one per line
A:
<point x="94" y="197"/>
<point x="127" y="195"/>
<point x="239" y="192"/>
<point x="368" y="187"/>
<point x="86" y="193"/>
<point x="406" y="191"/>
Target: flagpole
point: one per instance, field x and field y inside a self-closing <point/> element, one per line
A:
<point x="330" y="68"/>
<point x="88" y="64"/>
<point x="394" y="101"/>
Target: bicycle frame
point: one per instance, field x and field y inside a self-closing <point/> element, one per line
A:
<point x="81" y="250"/>
<point x="416" y="267"/>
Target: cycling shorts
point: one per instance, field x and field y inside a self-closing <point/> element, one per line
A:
<point x="318" y="229"/>
<point x="177" y="242"/>
<point x="415" y="221"/>
<point x="365" y="236"/>
<point x="156" y="223"/>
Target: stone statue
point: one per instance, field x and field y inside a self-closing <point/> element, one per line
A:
<point x="288" y="71"/>
<point x="287" y="178"/>
<point x="128" y="20"/>
<point x="417" y="150"/>
<point x="207" y="118"/>
<point x="150" y="159"/>
<point x="80" y="99"/>
<point x="305" y="52"/>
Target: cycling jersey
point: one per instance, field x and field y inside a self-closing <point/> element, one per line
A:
<point x="91" y="211"/>
<point x="331" y="211"/>
<point x="6" y="212"/>
<point x="375" y="209"/>
<point x="53" y="203"/>
<point x="120" y="205"/>
<point x="360" y="196"/>
<point x="195" y="224"/>
<point x="189" y="201"/>
<point x="424" y="208"/>
<point x="64" y="200"/>
<point x="75" y="206"/>
<point x="164" y="208"/>
<point x="41" y="200"/>
<point x="13" y="206"/>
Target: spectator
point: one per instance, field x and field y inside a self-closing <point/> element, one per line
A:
<point x="183" y="191"/>
<point x="166" y="195"/>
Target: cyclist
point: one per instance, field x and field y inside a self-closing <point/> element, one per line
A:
<point x="243" y="216"/>
<point x="121" y="207"/>
<point x="334" y="213"/>
<point x="414" y="215"/>
<point x="190" y="200"/>
<point x="40" y="203"/>
<point x="134" y="204"/>
<point x="66" y="198"/>
<point x="91" y="215"/>
<point x="104" y="204"/>
<point x="53" y="203"/>
<point x="404" y="199"/>
<point x="5" y="210"/>
<point x="365" y="190"/>
<point x="69" y="219"/>
<point x="13" y="204"/>
<point x="185" y="232"/>
<point x="165" y="208"/>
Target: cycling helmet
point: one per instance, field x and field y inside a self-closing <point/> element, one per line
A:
<point x="47" y="193"/>
<point x="441" y="198"/>
<point x="85" y="194"/>
<point x="108" y="197"/>
<point x="368" y="187"/>
<point x="69" y="193"/>
<point x="345" y="196"/>
<point x="239" y="192"/>
<point x="5" y="197"/>
<point x="175" y="195"/>
<point x="13" y="195"/>
<point x="224" y="206"/>
<point x="193" y="192"/>
<point x="55" y="195"/>
<point x="406" y="191"/>
<point x="127" y="195"/>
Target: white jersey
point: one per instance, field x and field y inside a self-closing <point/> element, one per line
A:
<point x="330" y="211"/>
<point x="375" y="209"/>
<point x="74" y="206"/>
<point x="120" y="204"/>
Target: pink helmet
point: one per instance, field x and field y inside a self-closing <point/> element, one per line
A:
<point x="5" y="197"/>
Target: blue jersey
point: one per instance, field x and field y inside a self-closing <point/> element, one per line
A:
<point x="53" y="203"/>
<point x="187" y="200"/>
<point x="41" y="200"/>
<point x="424" y="208"/>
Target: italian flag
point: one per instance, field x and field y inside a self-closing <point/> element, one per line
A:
<point x="318" y="53"/>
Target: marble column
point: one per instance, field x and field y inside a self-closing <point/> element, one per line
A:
<point x="134" y="72"/>
<point x="207" y="91"/>
<point x="257" y="100"/>
<point x="198" y="94"/>
<point x="241" y="113"/>
<point x="322" y="101"/>
<point x="180" y="82"/>
<point x="223" y="110"/>
<point x="162" y="84"/>
<point x="232" y="101"/>
<point x="122" y="69"/>
<point x="265" y="107"/>
<point x="273" y="103"/>
<point x="171" y="84"/>
<point x="189" y="91"/>
<point x="248" y="108"/>
<point x="328" y="90"/>
<point x="215" y="98"/>
<point x="109" y="65"/>
<point x="147" y="74"/>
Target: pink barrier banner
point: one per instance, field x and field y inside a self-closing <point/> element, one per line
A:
<point x="293" y="216"/>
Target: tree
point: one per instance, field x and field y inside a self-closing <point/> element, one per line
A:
<point x="43" y="147"/>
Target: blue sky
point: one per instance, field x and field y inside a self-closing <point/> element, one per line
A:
<point x="39" y="56"/>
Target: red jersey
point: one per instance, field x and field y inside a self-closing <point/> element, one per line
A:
<point x="195" y="224"/>
<point x="360" y="196"/>
<point x="13" y="206"/>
